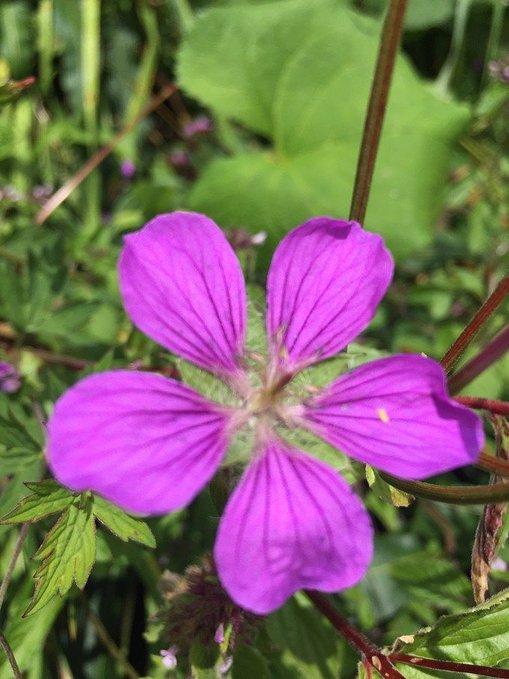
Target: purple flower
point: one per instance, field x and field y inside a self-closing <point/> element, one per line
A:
<point x="150" y="444"/>
<point x="9" y="378"/>
<point x="127" y="169"/>
<point x="169" y="657"/>
<point x="199" y="125"/>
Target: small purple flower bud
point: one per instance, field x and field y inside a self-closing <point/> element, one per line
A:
<point x="169" y="658"/>
<point x="9" y="378"/>
<point x="180" y="159"/>
<point x="41" y="192"/>
<point x="219" y="635"/>
<point x="200" y="125"/>
<point x="127" y="169"/>
<point x="499" y="564"/>
<point x="226" y="665"/>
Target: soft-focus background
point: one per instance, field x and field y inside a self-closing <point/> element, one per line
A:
<point x="262" y="133"/>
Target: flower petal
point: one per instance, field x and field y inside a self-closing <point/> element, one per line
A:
<point x="325" y="282"/>
<point x="182" y="285"/>
<point x="395" y="414"/>
<point x="147" y="443"/>
<point x="291" y="523"/>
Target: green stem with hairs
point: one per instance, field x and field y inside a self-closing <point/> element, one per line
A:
<point x="454" y="495"/>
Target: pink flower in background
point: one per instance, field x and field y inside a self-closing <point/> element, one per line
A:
<point x="197" y="126"/>
<point x="150" y="444"/>
<point x="10" y="380"/>
<point x="127" y="169"/>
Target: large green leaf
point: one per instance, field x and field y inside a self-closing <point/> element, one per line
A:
<point x="308" y="644"/>
<point x="299" y="74"/>
<point x="479" y="636"/>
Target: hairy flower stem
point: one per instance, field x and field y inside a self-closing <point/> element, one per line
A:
<point x="449" y="666"/>
<point x="483" y="314"/>
<point x="454" y="495"/>
<point x="493" y="464"/>
<point x="479" y="403"/>
<point x="389" y="43"/>
<point x="486" y="357"/>
<point x="374" y="656"/>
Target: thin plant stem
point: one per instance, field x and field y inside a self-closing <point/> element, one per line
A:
<point x="493" y="464"/>
<point x="491" y="353"/>
<point x="23" y="533"/>
<point x="480" y="403"/>
<point x="145" y="75"/>
<point x="450" y="666"/>
<point x="454" y="495"/>
<point x="496" y="27"/>
<point x="64" y="192"/>
<point x="45" y="38"/>
<point x="482" y="315"/>
<point x="10" y="657"/>
<point x="185" y="14"/>
<point x="108" y="642"/>
<point x="90" y="71"/>
<point x="364" y="646"/>
<point x="9" y="340"/>
<point x="443" y="81"/>
<point x="389" y="43"/>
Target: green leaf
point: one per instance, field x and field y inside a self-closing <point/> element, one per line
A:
<point x="480" y="635"/>
<point x="308" y="644"/>
<point x="47" y="498"/>
<point x="121" y="524"/>
<point x="27" y="636"/>
<point x="67" y="555"/>
<point x="18" y="448"/>
<point x="385" y="491"/>
<point x="249" y="663"/>
<point x="299" y="73"/>
<point x="203" y="660"/>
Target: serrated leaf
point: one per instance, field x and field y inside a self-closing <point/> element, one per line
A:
<point x="67" y="555"/>
<point x="480" y="635"/>
<point x="121" y="524"/>
<point x="47" y="498"/>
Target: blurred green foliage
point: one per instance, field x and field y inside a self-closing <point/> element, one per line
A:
<point x="285" y="84"/>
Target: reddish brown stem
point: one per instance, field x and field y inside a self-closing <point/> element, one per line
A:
<point x="483" y="314"/>
<point x="64" y="192"/>
<point x="449" y="666"/>
<point x="480" y="403"/>
<point x="389" y="43"/>
<point x="373" y="655"/>
<point x="493" y="464"/>
<point x="486" y="357"/>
